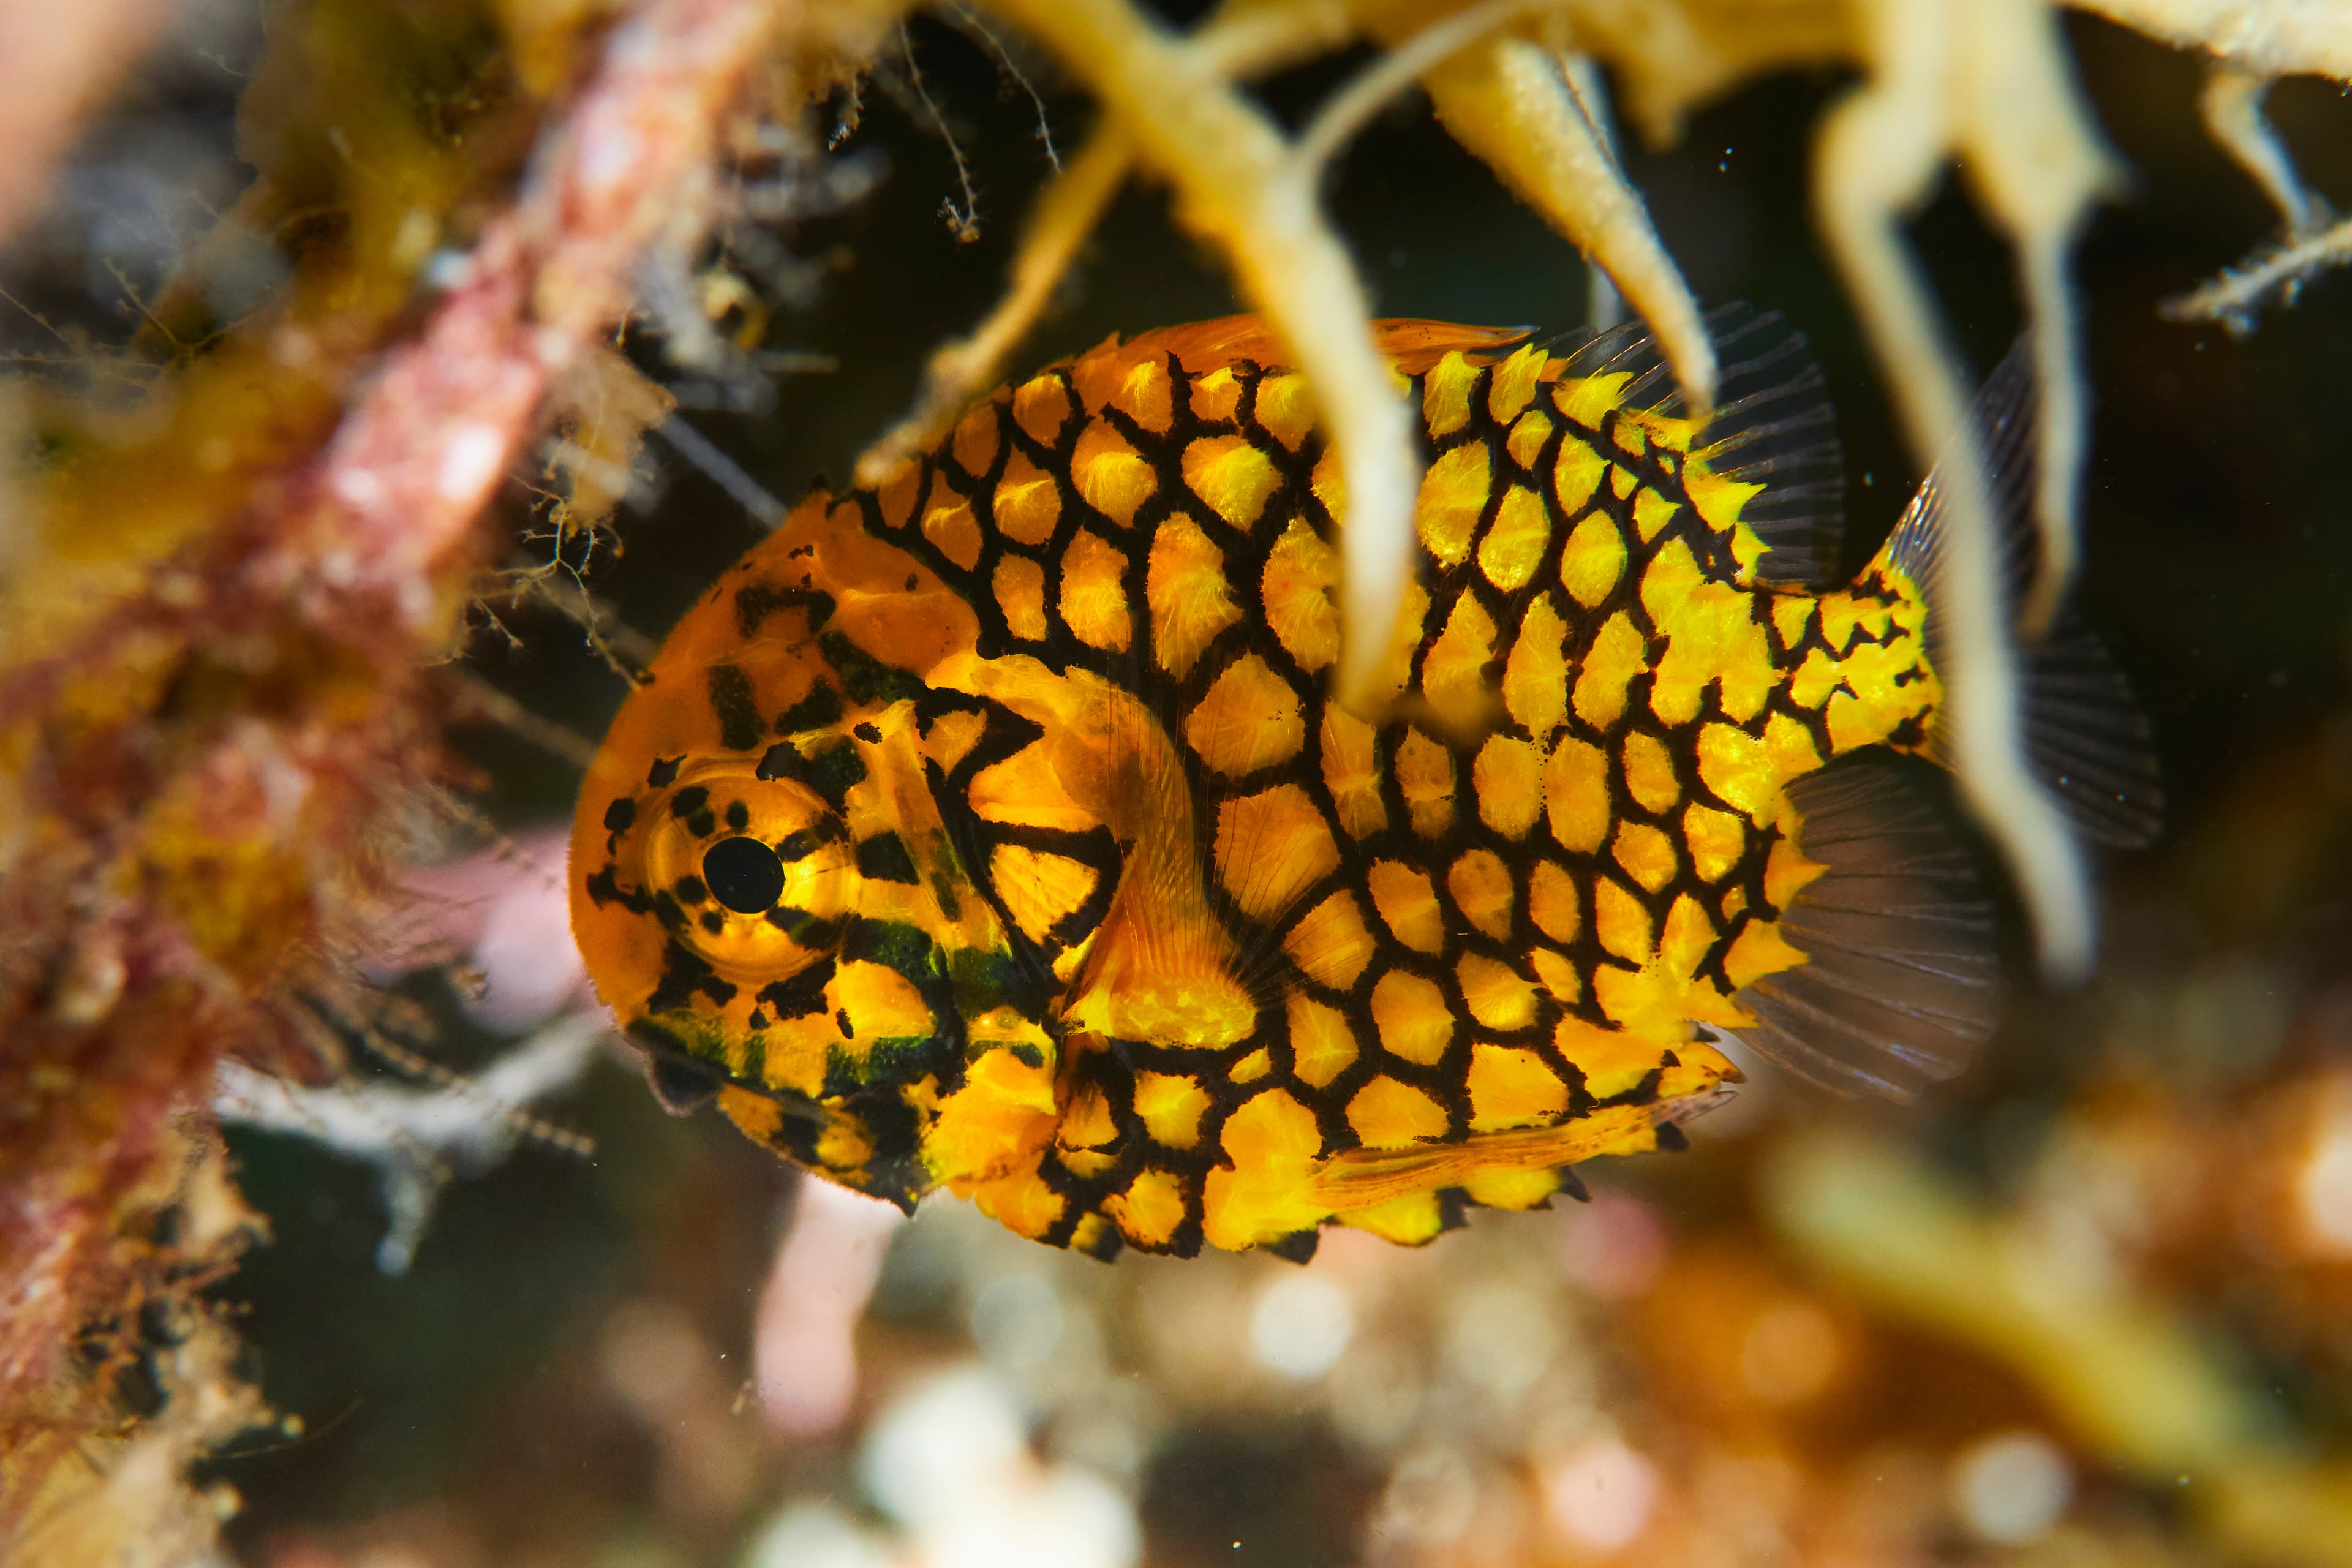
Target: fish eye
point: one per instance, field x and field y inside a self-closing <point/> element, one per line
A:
<point x="744" y="874"/>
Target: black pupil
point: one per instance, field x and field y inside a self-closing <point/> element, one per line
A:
<point x="744" y="874"/>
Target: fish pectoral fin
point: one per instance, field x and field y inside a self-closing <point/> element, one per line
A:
<point x="1900" y="985"/>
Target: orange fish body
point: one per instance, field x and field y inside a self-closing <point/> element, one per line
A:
<point x="991" y="829"/>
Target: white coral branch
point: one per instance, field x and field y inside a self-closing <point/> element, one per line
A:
<point x="2232" y="107"/>
<point x="962" y="369"/>
<point x="2268" y="38"/>
<point x="417" y="1139"/>
<point x="2232" y="298"/>
<point x="2250" y="45"/>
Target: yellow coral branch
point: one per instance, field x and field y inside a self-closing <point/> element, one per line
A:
<point x="1252" y="38"/>
<point x="963" y="368"/>
<point x="1348" y="111"/>
<point x="2131" y="1378"/>
<point x="1238" y="187"/>
<point x="1242" y="43"/>
<point x="1512" y="104"/>
<point x="1508" y="103"/>
<point x="2279" y="38"/>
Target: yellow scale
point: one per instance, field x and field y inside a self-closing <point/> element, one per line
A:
<point x="992" y="830"/>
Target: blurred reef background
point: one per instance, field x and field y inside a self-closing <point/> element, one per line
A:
<point x="383" y="373"/>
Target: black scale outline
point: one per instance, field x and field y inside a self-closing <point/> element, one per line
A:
<point x="1652" y="470"/>
<point x="1266" y="969"/>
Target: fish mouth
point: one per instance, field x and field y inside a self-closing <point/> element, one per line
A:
<point x="686" y="1080"/>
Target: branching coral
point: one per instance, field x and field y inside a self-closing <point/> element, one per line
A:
<point x="1239" y="184"/>
<point x="1988" y="82"/>
<point x="2232" y="107"/>
<point x="219" y="616"/>
<point x="418" y="1138"/>
<point x="1241" y="44"/>
<point x="1988" y="85"/>
<point x="220" y="602"/>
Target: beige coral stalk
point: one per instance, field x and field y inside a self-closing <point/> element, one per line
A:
<point x="1508" y="101"/>
<point x="2268" y="38"/>
<point x="1238" y="187"/>
<point x="2124" y="1370"/>
<point x="1241" y="44"/>
<point x="1980" y="76"/>
<point x="962" y="369"/>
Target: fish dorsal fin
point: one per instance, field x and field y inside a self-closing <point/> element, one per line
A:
<point x="2002" y="418"/>
<point x="1415" y="346"/>
<point x="1772" y="426"/>
<point x="1411" y="345"/>
<point x="1900" y="984"/>
<point x="2086" y="737"/>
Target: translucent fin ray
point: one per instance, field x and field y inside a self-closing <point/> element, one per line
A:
<point x="1900" y="987"/>
<point x="1772" y="426"/>
<point x="2085" y="738"/>
<point x="2002" y="418"/>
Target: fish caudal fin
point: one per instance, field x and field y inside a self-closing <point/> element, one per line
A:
<point x="2085" y="738"/>
<point x="2087" y="741"/>
<point x="1900" y="985"/>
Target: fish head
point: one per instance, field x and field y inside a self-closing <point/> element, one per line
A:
<point x="761" y="883"/>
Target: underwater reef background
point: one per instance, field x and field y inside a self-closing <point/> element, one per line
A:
<point x="446" y="1287"/>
